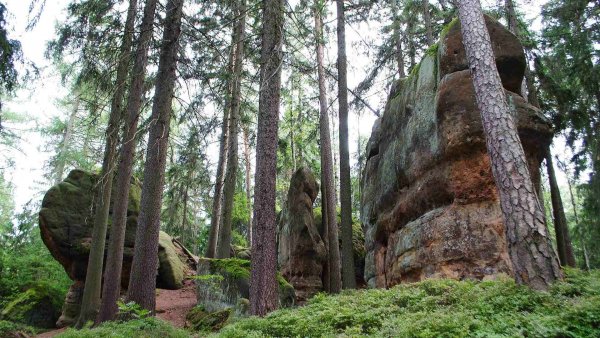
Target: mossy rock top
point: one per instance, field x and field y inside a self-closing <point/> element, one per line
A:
<point x="39" y="306"/>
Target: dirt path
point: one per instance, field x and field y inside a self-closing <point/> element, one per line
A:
<point x="173" y="305"/>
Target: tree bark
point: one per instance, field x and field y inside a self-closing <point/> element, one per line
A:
<point x="142" y="283"/>
<point x="398" y="39"/>
<point x="577" y="224"/>
<point x="328" y="203"/>
<point x="348" y="279"/>
<point x="237" y="42"/>
<point x="114" y="263"/>
<point x="533" y="259"/>
<point x="511" y="16"/>
<point x="428" y="25"/>
<point x="263" y="283"/>
<point x="248" y="168"/>
<point x="563" y="240"/>
<point x="90" y="303"/>
<point x="215" y="219"/>
<point x="66" y="141"/>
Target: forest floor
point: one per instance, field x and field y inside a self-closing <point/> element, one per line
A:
<point x="171" y="306"/>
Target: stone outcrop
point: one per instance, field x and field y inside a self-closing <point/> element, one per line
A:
<point x="301" y="251"/>
<point x="224" y="285"/>
<point x="66" y="221"/>
<point x="429" y="205"/>
<point x="38" y="306"/>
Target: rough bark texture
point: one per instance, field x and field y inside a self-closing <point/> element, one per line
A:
<point x="328" y="190"/>
<point x="263" y="284"/>
<point x="142" y="283"/>
<point x="428" y="25"/>
<point x="93" y="282"/>
<point x="532" y="257"/>
<point x="563" y="239"/>
<point x="347" y="260"/>
<point x="112" y="275"/>
<point x="398" y="39"/>
<point x="237" y="42"/>
<point x="511" y="16"/>
<point x="429" y="206"/>
<point x="248" y="167"/>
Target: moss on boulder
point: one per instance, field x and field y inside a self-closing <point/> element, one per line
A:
<point x="202" y="321"/>
<point x="171" y="268"/>
<point x="39" y="306"/>
<point x="225" y="284"/>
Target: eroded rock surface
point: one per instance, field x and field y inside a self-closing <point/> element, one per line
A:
<point x="66" y="221"/>
<point x="301" y="251"/>
<point x="429" y="205"/>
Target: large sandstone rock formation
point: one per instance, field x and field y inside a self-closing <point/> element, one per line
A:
<point x="66" y="221"/>
<point x="430" y="206"/>
<point x="301" y="251"/>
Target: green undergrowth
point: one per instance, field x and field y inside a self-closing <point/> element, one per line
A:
<point x="432" y="308"/>
<point x="147" y="327"/>
<point x="441" y="308"/>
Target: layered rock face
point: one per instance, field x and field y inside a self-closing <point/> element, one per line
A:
<point x="430" y="206"/>
<point x="301" y="251"/>
<point x="66" y="221"/>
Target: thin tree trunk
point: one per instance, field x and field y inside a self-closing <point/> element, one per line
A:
<point x="428" y="25"/>
<point x="215" y="219"/>
<point x="577" y="224"/>
<point x="248" y="168"/>
<point x="328" y="203"/>
<point x="90" y="302"/>
<point x="66" y="142"/>
<point x="114" y="260"/>
<point x="347" y="261"/>
<point x="533" y="259"/>
<point x="563" y="240"/>
<point x="142" y="283"/>
<point x="224" y="247"/>
<point x="410" y="30"/>
<point x="263" y="283"/>
<point x="398" y="39"/>
<point x="511" y="16"/>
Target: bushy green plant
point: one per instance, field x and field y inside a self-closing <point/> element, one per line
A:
<point x="131" y="310"/>
<point x="442" y="308"/>
<point x="150" y="327"/>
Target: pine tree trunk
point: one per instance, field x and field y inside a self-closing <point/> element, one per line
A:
<point x="428" y="25"/>
<point x="533" y="259"/>
<point x="398" y="39"/>
<point x="248" y="168"/>
<point x="142" y="283"/>
<point x="114" y="259"/>
<point x="215" y="219"/>
<point x="263" y="283"/>
<point x="90" y="302"/>
<point x="237" y="42"/>
<point x="412" y="51"/>
<point x="563" y="240"/>
<point x="328" y="203"/>
<point x="349" y="280"/>
<point x="511" y="16"/>
<point x="66" y="142"/>
<point x="577" y="224"/>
